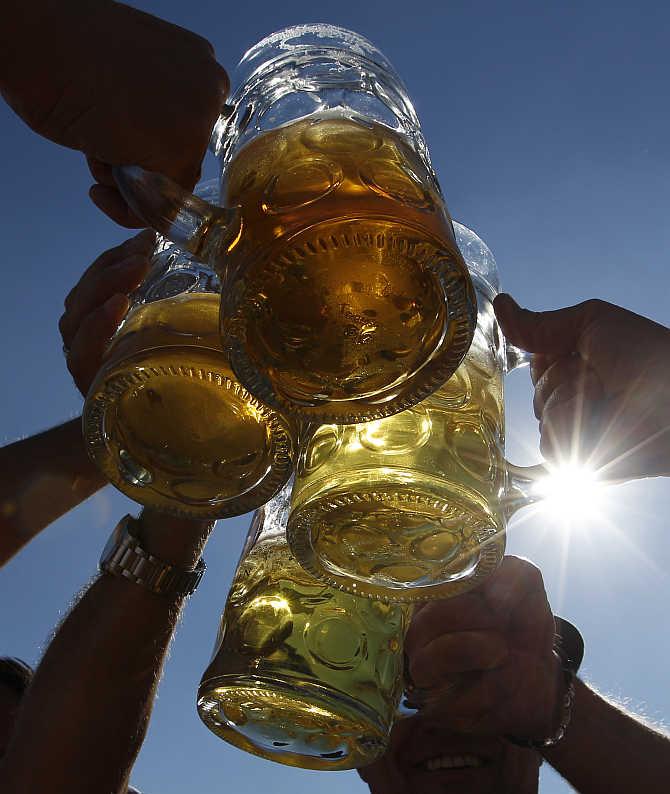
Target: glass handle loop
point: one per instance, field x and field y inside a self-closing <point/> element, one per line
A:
<point x="521" y="487"/>
<point x="202" y="229"/>
<point x="515" y="357"/>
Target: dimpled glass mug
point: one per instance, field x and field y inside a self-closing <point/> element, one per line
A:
<point x="414" y="506"/>
<point x="165" y="420"/>
<point x="344" y="295"/>
<point x="302" y="674"/>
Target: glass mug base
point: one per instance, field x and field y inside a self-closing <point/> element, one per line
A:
<point x="297" y="724"/>
<point x="213" y="462"/>
<point x="398" y="543"/>
<point x="354" y="319"/>
<point x="301" y="673"/>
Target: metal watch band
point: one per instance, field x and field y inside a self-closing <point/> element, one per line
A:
<point x="124" y="556"/>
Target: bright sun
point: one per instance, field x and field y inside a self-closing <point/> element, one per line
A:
<point x="570" y="491"/>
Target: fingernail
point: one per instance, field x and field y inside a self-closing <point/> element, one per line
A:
<point x="116" y="306"/>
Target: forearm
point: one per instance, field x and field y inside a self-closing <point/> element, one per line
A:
<point x="43" y="477"/>
<point x="607" y="750"/>
<point x="86" y="713"/>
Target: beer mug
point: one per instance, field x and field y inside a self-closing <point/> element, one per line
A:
<point x="415" y="506"/>
<point x="302" y="674"/>
<point x="345" y="297"/>
<point x="165" y="419"/>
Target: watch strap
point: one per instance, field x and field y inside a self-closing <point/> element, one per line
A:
<point x="569" y="647"/>
<point x="129" y="560"/>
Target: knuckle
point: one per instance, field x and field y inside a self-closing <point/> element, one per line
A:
<point x="532" y="576"/>
<point x="514" y="567"/>
<point x="594" y="306"/>
<point x="202" y="43"/>
<point x="63" y="323"/>
<point x="74" y="367"/>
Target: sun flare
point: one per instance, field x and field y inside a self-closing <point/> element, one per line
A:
<point x="571" y="491"/>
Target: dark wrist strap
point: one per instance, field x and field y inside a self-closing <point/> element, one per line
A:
<point x="569" y="647"/>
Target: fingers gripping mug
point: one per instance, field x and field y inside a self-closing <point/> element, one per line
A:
<point x="344" y="295"/>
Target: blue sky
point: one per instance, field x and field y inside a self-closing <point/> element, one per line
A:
<point x="549" y="128"/>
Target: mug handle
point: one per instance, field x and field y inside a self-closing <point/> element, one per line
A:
<point x="205" y="230"/>
<point x="521" y="480"/>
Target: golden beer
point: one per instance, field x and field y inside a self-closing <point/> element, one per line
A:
<point x="169" y="425"/>
<point x="410" y="506"/>
<point x="346" y="288"/>
<point x="302" y="674"/>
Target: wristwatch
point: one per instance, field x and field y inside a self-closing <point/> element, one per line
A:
<point x="569" y="647"/>
<point x="124" y="556"/>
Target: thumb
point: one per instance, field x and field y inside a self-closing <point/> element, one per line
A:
<point x="557" y="332"/>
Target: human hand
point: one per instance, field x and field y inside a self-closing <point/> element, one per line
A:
<point x="484" y="660"/>
<point x="602" y="385"/>
<point x="99" y="301"/>
<point x="123" y="87"/>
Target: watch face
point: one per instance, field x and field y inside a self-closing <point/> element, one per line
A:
<point x="114" y="540"/>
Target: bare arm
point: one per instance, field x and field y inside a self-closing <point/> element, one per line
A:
<point x="86" y="712"/>
<point x="48" y="474"/>
<point x="607" y="749"/>
<point x="43" y="477"/>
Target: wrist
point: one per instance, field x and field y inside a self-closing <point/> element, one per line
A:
<point x="126" y="556"/>
<point x="178" y="541"/>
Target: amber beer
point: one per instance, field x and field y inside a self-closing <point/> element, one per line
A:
<point x="170" y="426"/>
<point x="346" y="286"/>
<point x="302" y="674"/>
<point x="410" y="507"/>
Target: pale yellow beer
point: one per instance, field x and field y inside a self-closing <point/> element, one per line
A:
<point x="346" y="287"/>
<point x="302" y="674"/>
<point x="168" y="424"/>
<point x="411" y="506"/>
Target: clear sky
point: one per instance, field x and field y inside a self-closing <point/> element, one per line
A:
<point x="549" y="128"/>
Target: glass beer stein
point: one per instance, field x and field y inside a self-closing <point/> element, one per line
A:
<point x="165" y="419"/>
<point x="414" y="506"/>
<point x="345" y="297"/>
<point x="301" y="673"/>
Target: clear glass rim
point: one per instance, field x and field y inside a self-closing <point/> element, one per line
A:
<point x="488" y="286"/>
<point x="355" y="42"/>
